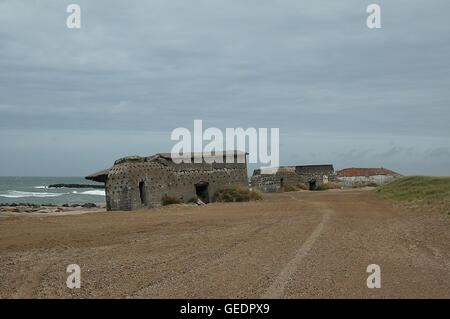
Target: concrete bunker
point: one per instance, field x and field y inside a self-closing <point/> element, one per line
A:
<point x="136" y="182"/>
<point x="309" y="175"/>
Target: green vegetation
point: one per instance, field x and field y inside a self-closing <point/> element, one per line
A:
<point x="418" y="192"/>
<point x="167" y="200"/>
<point x="369" y="184"/>
<point x="292" y="188"/>
<point x="329" y="185"/>
<point x="236" y="194"/>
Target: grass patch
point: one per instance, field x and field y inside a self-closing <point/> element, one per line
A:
<point x="292" y="188"/>
<point x="168" y="200"/>
<point x="329" y="185"/>
<point x="419" y="192"/>
<point x="369" y="184"/>
<point x="236" y="194"/>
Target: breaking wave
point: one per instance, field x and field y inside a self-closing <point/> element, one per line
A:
<point x="19" y="194"/>
<point x="41" y="187"/>
<point x="98" y="192"/>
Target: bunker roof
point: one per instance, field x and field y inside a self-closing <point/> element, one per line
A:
<point x="354" y="171"/>
<point x="103" y="175"/>
<point x="206" y="154"/>
<point x="99" y="176"/>
<point x="293" y="169"/>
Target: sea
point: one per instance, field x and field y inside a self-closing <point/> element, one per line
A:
<point x="34" y="190"/>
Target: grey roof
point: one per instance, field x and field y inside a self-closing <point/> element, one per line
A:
<point x="103" y="175"/>
<point x="99" y="176"/>
<point x="206" y="154"/>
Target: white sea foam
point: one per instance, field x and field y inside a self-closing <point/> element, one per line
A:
<point x="19" y="194"/>
<point x="98" y="192"/>
<point x="41" y="187"/>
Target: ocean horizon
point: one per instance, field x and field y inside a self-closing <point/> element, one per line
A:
<point x="35" y="190"/>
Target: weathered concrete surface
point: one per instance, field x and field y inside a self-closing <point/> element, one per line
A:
<point x="136" y="182"/>
<point x="291" y="245"/>
<point x="310" y="175"/>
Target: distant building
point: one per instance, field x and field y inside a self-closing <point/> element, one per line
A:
<point x="136" y="182"/>
<point x="310" y="175"/>
<point x="348" y="177"/>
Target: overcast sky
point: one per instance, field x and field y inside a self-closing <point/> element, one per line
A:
<point x="72" y="101"/>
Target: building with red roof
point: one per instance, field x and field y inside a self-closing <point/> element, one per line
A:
<point x="355" y="175"/>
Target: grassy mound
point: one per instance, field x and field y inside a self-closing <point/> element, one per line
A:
<point x="292" y="188"/>
<point x="422" y="192"/>
<point x="167" y="200"/>
<point x="236" y="194"/>
<point x="329" y="185"/>
<point x="369" y="184"/>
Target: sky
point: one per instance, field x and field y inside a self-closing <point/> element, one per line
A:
<point x="74" y="100"/>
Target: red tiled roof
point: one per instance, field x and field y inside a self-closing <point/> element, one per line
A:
<point x="364" y="171"/>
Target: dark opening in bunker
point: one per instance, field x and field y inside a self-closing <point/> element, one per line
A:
<point x="281" y="182"/>
<point x="312" y="185"/>
<point x="142" y="192"/>
<point x="201" y="189"/>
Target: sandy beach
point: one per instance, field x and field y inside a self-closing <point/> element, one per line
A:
<point x="23" y="210"/>
<point x="291" y="245"/>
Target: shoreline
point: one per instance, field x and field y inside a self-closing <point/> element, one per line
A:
<point x="33" y="210"/>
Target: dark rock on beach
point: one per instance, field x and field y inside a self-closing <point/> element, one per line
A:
<point x="89" y="205"/>
<point x="76" y="186"/>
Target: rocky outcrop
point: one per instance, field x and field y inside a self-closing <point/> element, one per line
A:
<point x="76" y="186"/>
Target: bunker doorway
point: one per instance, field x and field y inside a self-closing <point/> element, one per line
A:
<point x="142" y="193"/>
<point x="312" y="185"/>
<point x="201" y="189"/>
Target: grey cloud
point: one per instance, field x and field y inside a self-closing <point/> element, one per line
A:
<point x="440" y="152"/>
<point x="302" y="66"/>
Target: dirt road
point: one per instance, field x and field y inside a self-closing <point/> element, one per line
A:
<point x="291" y="245"/>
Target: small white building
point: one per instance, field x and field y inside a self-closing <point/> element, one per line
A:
<point x="348" y="177"/>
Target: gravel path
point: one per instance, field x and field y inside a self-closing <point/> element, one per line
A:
<point x="291" y="245"/>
